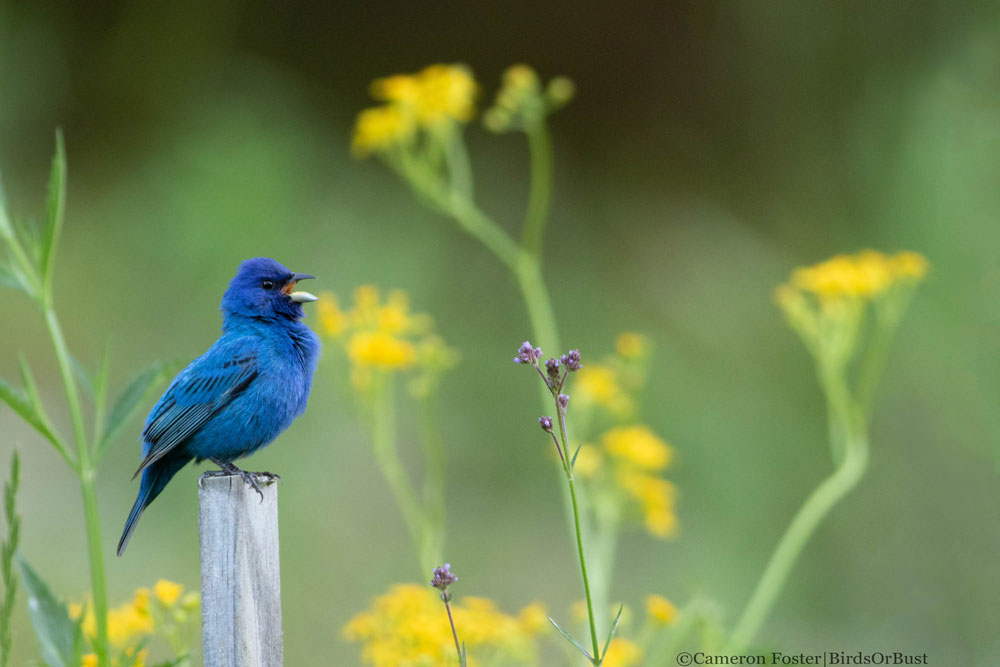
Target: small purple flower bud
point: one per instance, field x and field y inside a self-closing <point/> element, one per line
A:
<point x="526" y="354"/>
<point x="546" y="423"/>
<point x="571" y="360"/>
<point x="443" y="578"/>
<point x="552" y="367"/>
<point x="562" y="401"/>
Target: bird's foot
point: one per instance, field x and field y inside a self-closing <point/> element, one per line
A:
<point x="251" y="479"/>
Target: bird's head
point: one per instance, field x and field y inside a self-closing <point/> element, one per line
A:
<point x="264" y="289"/>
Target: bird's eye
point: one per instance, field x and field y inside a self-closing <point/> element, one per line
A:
<point x="267" y="284"/>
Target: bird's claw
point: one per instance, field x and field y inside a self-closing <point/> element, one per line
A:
<point x="251" y="479"/>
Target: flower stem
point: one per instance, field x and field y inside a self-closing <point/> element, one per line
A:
<point x="540" y="194"/>
<point x="384" y="444"/>
<point x="88" y="488"/>
<point x="812" y="512"/>
<point x="454" y="632"/>
<point x="568" y="468"/>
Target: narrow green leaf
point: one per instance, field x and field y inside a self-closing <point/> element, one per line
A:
<point x="24" y="280"/>
<point x="8" y="278"/>
<point x="571" y="639"/>
<point x="130" y="398"/>
<point x="54" y="211"/>
<point x="83" y="375"/>
<point x="101" y="392"/>
<point x="572" y="464"/>
<point x="611" y="634"/>
<point x="20" y="404"/>
<point x="55" y="630"/>
<point x="463" y="660"/>
<point x="25" y="231"/>
<point x="28" y="380"/>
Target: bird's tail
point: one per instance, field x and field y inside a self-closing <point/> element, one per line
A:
<point x="154" y="479"/>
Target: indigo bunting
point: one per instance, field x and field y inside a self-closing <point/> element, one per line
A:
<point x="242" y="393"/>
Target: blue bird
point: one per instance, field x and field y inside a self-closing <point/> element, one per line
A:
<point x="242" y="393"/>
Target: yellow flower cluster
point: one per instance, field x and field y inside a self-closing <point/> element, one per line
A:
<point x="521" y="99"/>
<point x="826" y="303"/>
<point x="629" y="458"/>
<point x="409" y="626"/>
<point x="130" y="623"/>
<point x="433" y="97"/>
<point x="384" y="336"/>
<point x="637" y="457"/>
<point x="611" y="384"/>
<point x="865" y="274"/>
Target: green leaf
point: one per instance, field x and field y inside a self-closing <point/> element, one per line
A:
<point x="129" y="400"/>
<point x="20" y="404"/>
<point x="83" y="375"/>
<point x="571" y="639"/>
<point x="463" y="659"/>
<point x="572" y="464"/>
<point x="8" y="278"/>
<point x="54" y="210"/>
<point x="57" y="633"/>
<point x="25" y="231"/>
<point x="28" y="380"/>
<point x="611" y="634"/>
<point x="101" y="392"/>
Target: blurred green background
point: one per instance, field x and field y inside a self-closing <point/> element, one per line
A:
<point x="713" y="146"/>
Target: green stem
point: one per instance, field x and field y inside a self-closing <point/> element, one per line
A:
<point x="812" y="512"/>
<point x="540" y="194"/>
<point x="387" y="456"/>
<point x="539" y="304"/>
<point x="88" y="488"/>
<point x="568" y="468"/>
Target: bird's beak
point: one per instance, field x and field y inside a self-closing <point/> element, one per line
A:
<point x="298" y="297"/>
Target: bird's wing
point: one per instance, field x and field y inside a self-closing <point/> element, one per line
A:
<point x="206" y="386"/>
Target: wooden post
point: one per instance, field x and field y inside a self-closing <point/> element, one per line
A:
<point x="240" y="575"/>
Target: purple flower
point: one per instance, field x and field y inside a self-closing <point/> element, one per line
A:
<point x="571" y="360"/>
<point x="563" y="402"/>
<point x="443" y="578"/>
<point x="526" y="354"/>
<point x="552" y="367"/>
<point x="546" y="423"/>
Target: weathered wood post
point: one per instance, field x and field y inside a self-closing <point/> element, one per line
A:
<point x="240" y="582"/>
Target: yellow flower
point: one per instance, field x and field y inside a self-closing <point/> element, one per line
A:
<point x="588" y="461"/>
<point x="409" y="626"/>
<point x="656" y="498"/>
<point x="599" y="384"/>
<point x="331" y="318"/>
<point x="865" y="274"/>
<point x="403" y="88"/>
<point x="660" y="609"/>
<point x="639" y="446"/>
<point x="167" y="592"/>
<point x="129" y="621"/>
<point x="622" y="653"/>
<point x="446" y="92"/>
<point x="378" y="129"/>
<point x="191" y="601"/>
<point x="381" y="350"/>
<point x="435" y="94"/>
<point x="90" y="660"/>
<point x="631" y="345"/>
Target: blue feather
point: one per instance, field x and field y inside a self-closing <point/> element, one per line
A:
<point x="242" y="393"/>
